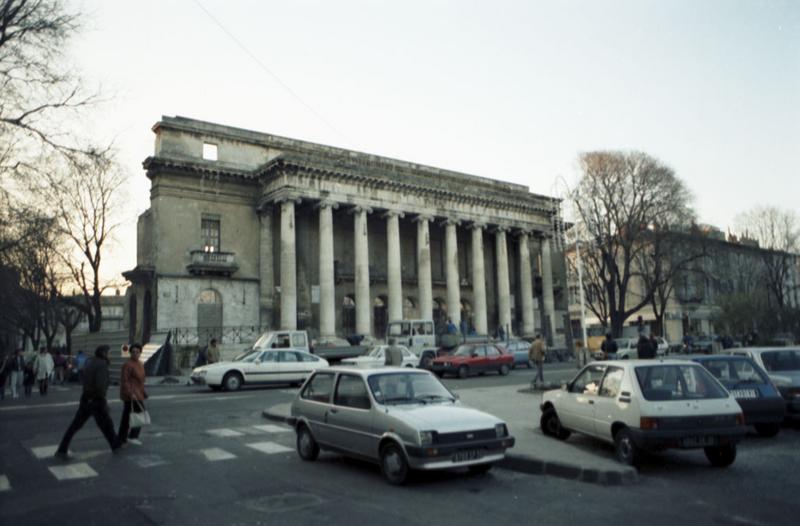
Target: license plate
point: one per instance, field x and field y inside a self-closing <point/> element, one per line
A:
<point x="699" y="441"/>
<point x="466" y="454"/>
<point x="744" y="393"/>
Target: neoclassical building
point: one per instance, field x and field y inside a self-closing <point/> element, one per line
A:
<point x="248" y="231"/>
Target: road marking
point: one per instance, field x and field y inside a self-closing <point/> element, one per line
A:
<point x="147" y="461"/>
<point x="213" y="454"/>
<point x="81" y="470"/>
<point x="269" y="447"/>
<point x="224" y="433"/>
<point x="269" y="428"/>
<point x="5" y="485"/>
<point x="44" y="451"/>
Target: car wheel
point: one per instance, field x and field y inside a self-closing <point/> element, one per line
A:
<point x="232" y="381"/>
<point x="721" y="456"/>
<point x="394" y="465"/>
<point x="463" y="371"/>
<point x="625" y="448"/>
<point x="307" y="447"/>
<point x="480" y="469"/>
<point x="767" y="430"/>
<point x="503" y="370"/>
<point x="551" y="425"/>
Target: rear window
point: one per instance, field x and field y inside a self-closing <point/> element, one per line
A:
<point x="735" y="372"/>
<point x="783" y="360"/>
<point x="678" y="382"/>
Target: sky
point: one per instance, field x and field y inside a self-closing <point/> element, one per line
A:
<point x="510" y="90"/>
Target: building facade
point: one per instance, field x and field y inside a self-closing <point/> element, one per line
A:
<point x="248" y="231"/>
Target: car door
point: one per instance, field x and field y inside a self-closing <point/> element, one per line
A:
<point x="479" y="362"/>
<point x="289" y="367"/>
<point x="350" y="418"/>
<point x="262" y="369"/>
<point x="607" y="407"/>
<point x="316" y="403"/>
<point x="493" y="361"/>
<point x="577" y="410"/>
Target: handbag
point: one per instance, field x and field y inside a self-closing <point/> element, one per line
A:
<point x="140" y="419"/>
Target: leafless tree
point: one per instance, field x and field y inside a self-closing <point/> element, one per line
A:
<point x="778" y="234"/>
<point x="628" y="204"/>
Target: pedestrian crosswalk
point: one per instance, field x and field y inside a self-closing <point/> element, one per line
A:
<point x="238" y="442"/>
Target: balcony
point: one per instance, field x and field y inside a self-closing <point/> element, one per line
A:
<point x="212" y="263"/>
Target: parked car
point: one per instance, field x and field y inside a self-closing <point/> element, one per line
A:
<point x="402" y="419"/>
<point x="334" y="349"/>
<point x="519" y="350"/>
<point x="474" y="358"/>
<point x="704" y="344"/>
<point x="627" y="348"/>
<point x="647" y="405"/>
<point x="782" y="364"/>
<point x="377" y="356"/>
<point x="257" y="367"/>
<point x="761" y="402"/>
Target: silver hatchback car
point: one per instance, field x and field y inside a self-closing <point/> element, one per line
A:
<point x="399" y="418"/>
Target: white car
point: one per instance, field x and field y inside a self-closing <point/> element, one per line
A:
<point x="647" y="405"/>
<point x="783" y="368"/>
<point x="377" y="356"/>
<point x="627" y="348"/>
<point x="257" y="367"/>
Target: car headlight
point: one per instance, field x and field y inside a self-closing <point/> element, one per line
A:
<point x="425" y="438"/>
<point x="500" y="430"/>
<point x="199" y="372"/>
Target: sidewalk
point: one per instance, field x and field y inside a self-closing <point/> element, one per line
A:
<point x="579" y="458"/>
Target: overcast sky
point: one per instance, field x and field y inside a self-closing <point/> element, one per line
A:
<point x="503" y="89"/>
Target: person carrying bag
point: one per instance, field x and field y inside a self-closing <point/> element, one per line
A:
<point x="133" y="395"/>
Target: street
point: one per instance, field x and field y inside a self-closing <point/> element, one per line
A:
<point x="211" y="458"/>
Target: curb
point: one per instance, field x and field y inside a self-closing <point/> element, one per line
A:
<point x="535" y="466"/>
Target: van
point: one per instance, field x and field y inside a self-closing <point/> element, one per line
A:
<point x="283" y="340"/>
<point x="414" y="334"/>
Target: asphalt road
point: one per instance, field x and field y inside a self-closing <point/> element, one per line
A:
<point x="210" y="458"/>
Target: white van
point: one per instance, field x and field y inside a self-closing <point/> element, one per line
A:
<point x="283" y="340"/>
<point x="413" y="334"/>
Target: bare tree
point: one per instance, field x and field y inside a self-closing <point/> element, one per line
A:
<point x="628" y="204"/>
<point x="778" y="234"/>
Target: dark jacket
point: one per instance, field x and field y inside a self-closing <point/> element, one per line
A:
<point x="645" y="349"/>
<point x="95" y="379"/>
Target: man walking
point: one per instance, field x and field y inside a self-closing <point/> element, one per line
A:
<point x="536" y="354"/>
<point x="212" y="353"/>
<point x="93" y="403"/>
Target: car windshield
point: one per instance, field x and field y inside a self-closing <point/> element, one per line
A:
<point x="248" y="356"/>
<point x="408" y="388"/>
<point x="783" y="360"/>
<point x="678" y="382"/>
<point x="376" y="352"/>
<point x="735" y="372"/>
<point x="464" y="350"/>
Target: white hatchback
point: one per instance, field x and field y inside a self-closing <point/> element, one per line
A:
<point x="647" y="405"/>
<point x="376" y="357"/>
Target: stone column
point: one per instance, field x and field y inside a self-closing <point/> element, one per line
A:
<point x="526" y="283"/>
<point x="503" y="287"/>
<point x="363" y="302"/>
<point x="327" y="293"/>
<point x="393" y="263"/>
<point x="424" y="281"/>
<point x="265" y="268"/>
<point x="547" y="287"/>
<point x="478" y="280"/>
<point x="288" y="265"/>
<point x="453" y="279"/>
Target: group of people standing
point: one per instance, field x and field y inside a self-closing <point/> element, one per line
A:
<point x="20" y="371"/>
<point x="93" y="402"/>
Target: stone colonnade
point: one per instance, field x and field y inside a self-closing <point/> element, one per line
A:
<point x="288" y="284"/>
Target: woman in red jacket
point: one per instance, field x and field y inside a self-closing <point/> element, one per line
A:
<point x="132" y="394"/>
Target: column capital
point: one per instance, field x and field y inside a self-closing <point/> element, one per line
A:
<point x="288" y="199"/>
<point x="264" y="209"/>
<point x="477" y="225"/>
<point x="501" y="229"/>
<point x="455" y="221"/>
<point x="393" y="213"/>
<point x="423" y="217"/>
<point x="357" y="209"/>
<point x="327" y="203"/>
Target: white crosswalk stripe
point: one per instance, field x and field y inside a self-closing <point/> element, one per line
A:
<point x="269" y="447"/>
<point x="214" y="454"/>
<point x="224" y="432"/>
<point x="44" y="451"/>
<point x="5" y="484"/>
<point x="147" y="461"/>
<point x="80" y="470"/>
<point x="270" y="428"/>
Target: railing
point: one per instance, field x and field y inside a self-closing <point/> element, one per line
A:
<point x="203" y="262"/>
<point x="224" y="335"/>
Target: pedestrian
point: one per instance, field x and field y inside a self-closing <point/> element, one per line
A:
<point x="536" y="355"/>
<point x="201" y="359"/>
<point x="80" y="363"/>
<point x="654" y="345"/>
<point x="93" y="403"/>
<point x="644" y="349"/>
<point x="609" y="347"/>
<point x="29" y="378"/>
<point x="501" y="333"/>
<point x="60" y="362"/>
<point x="43" y="367"/>
<point x="132" y="394"/>
<point x="464" y="327"/>
<point x="212" y="352"/>
<point x="393" y="357"/>
<point x="16" y="373"/>
<point x="451" y="327"/>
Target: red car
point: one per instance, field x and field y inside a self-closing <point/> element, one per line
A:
<point x="472" y="358"/>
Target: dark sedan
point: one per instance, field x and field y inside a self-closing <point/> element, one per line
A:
<point x="472" y="358"/>
<point x="761" y="402"/>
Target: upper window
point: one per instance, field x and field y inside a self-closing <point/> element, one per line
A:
<point x="319" y="388"/>
<point x="209" y="151"/>
<point x="351" y="392"/>
<point x="209" y="229"/>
